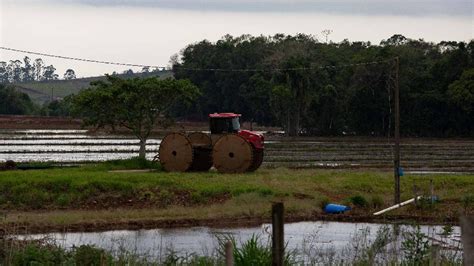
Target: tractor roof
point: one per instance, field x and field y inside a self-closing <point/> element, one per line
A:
<point x="224" y="115"/>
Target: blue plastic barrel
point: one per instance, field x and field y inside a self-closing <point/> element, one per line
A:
<point x="336" y="208"/>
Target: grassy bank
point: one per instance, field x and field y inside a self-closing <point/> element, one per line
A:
<point x="102" y="196"/>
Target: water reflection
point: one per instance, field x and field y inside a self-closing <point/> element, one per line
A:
<point x="313" y="238"/>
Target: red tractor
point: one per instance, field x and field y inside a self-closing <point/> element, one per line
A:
<point x="228" y="148"/>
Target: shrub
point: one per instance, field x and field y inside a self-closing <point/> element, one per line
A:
<point x="359" y="201"/>
<point x="90" y="255"/>
<point x="34" y="254"/>
<point x="64" y="200"/>
<point x="252" y="252"/>
<point x="415" y="246"/>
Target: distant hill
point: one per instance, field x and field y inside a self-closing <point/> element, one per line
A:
<point x="43" y="91"/>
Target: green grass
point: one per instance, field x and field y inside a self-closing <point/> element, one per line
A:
<point x="95" y="192"/>
<point x="40" y="91"/>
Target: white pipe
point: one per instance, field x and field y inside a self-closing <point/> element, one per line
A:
<point x="397" y="206"/>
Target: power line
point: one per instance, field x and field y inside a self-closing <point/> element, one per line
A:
<point x="202" y="69"/>
<point x="79" y="59"/>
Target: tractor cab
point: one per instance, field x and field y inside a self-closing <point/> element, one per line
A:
<point x="221" y="123"/>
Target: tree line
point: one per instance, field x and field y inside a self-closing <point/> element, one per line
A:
<point x="320" y="88"/>
<point x="14" y="102"/>
<point x="28" y="70"/>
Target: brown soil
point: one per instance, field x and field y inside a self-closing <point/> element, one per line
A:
<point x="227" y="222"/>
<point x="38" y="122"/>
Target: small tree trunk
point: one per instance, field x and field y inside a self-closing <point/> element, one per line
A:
<point x="142" y="152"/>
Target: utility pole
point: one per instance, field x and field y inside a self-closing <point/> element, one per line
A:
<point x="396" y="159"/>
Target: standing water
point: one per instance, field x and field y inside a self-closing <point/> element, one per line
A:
<point x="307" y="239"/>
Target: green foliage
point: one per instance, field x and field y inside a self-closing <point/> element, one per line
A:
<point x="132" y="163"/>
<point x="365" y="250"/>
<point x="252" y="251"/>
<point x="359" y="201"/>
<point x="137" y="104"/>
<point x="90" y="255"/>
<point x="461" y="91"/>
<point x="13" y="102"/>
<point x="376" y="201"/>
<point x="36" y="254"/>
<point x="57" y="107"/>
<point x="415" y="246"/>
<point x="435" y="84"/>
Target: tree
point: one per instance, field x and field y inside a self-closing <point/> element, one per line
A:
<point x="146" y="69"/>
<point x="331" y="88"/>
<point x="4" y="75"/>
<point x="13" y="102"/>
<point x="461" y="92"/>
<point x="49" y="74"/>
<point x="136" y="104"/>
<point x="38" y="66"/>
<point x="28" y="70"/>
<point x="69" y="74"/>
<point x="15" y="70"/>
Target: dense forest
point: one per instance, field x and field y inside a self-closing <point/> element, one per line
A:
<point x="319" y="88"/>
<point x="307" y="86"/>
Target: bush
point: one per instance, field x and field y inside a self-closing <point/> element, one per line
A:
<point x="35" y="254"/>
<point x="415" y="246"/>
<point x="252" y="252"/>
<point x="63" y="200"/>
<point x="359" y="201"/>
<point x="90" y="255"/>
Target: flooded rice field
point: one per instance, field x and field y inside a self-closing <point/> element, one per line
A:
<point x="309" y="240"/>
<point x="78" y="146"/>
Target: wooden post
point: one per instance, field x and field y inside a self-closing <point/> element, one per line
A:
<point x="229" y="254"/>
<point x="467" y="238"/>
<point x="431" y="191"/>
<point x="415" y="193"/>
<point x="396" y="159"/>
<point x="277" y="234"/>
<point x="434" y="258"/>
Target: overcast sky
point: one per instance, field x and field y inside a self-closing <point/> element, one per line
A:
<point x="149" y="32"/>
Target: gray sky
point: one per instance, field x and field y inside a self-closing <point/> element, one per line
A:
<point x="149" y="32"/>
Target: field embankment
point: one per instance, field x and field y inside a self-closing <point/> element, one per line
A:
<point x="102" y="197"/>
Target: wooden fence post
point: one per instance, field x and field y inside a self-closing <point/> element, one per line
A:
<point x="467" y="238"/>
<point x="229" y="254"/>
<point x="434" y="260"/>
<point x="277" y="234"/>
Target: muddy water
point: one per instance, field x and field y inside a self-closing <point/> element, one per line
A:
<point x="306" y="238"/>
<point x="68" y="146"/>
<point x="77" y="146"/>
